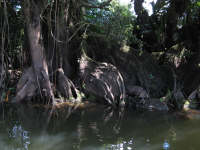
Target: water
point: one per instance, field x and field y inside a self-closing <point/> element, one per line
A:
<point x="27" y="128"/>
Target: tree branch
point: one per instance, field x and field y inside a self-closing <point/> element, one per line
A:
<point x="102" y="5"/>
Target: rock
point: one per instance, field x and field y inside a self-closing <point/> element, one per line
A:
<point x="156" y="104"/>
<point x="137" y="91"/>
<point x="148" y="104"/>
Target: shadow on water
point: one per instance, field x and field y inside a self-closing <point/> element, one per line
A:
<point x="25" y="127"/>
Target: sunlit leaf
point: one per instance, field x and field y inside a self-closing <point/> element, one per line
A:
<point x="198" y="4"/>
<point x="186" y="105"/>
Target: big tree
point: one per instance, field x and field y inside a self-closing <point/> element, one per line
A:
<point x="53" y="30"/>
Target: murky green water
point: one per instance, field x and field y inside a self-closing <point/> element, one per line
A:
<point x="27" y="128"/>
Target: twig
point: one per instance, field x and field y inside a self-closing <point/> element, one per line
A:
<point x="102" y="5"/>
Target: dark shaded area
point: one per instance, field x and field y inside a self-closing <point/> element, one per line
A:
<point x="36" y="127"/>
<point x="99" y="51"/>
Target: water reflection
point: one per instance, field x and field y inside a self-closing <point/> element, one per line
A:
<point x="166" y="145"/>
<point x="95" y="129"/>
<point x="19" y="137"/>
<point x="129" y="145"/>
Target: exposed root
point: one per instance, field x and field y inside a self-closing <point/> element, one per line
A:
<point x="2" y="75"/>
<point x="195" y="94"/>
<point x="26" y="87"/>
<point x="65" y="86"/>
<point x="30" y="86"/>
<point x="2" y="80"/>
<point x="104" y="81"/>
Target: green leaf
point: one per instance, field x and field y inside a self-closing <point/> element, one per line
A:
<point x="11" y="89"/>
<point x="198" y="4"/>
<point x="186" y="105"/>
<point x="151" y="76"/>
<point x="162" y="99"/>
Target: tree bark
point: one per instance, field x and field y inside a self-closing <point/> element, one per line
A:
<point x="39" y="64"/>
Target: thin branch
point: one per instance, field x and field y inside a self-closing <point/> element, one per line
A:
<point x="70" y="38"/>
<point x="102" y="5"/>
<point x="76" y="31"/>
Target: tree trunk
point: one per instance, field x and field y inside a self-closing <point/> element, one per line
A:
<point x="39" y="64"/>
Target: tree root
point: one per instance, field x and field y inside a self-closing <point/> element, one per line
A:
<point x="103" y="81"/>
<point x="65" y="86"/>
<point x="26" y="87"/>
<point x="29" y="87"/>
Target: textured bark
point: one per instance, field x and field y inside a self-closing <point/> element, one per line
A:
<point x="2" y="76"/>
<point x="65" y="86"/>
<point x="137" y="69"/>
<point x="103" y="81"/>
<point x="39" y="64"/>
<point x="26" y="87"/>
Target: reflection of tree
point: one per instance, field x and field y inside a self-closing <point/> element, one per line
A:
<point x="88" y="128"/>
<point x="19" y="137"/>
